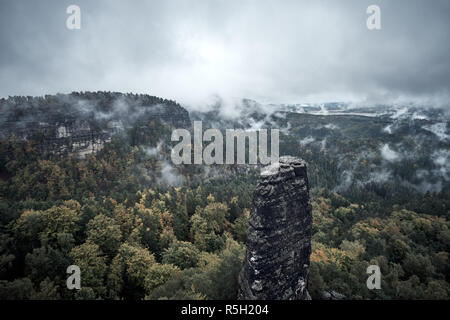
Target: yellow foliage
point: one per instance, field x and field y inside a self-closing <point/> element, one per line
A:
<point x="210" y="198"/>
<point x="326" y="255"/>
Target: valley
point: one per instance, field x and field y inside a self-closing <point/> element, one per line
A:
<point x="87" y="179"/>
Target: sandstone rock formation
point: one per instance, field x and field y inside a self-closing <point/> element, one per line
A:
<point x="279" y="235"/>
<point x="82" y="123"/>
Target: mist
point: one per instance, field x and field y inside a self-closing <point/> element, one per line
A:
<point x="197" y="51"/>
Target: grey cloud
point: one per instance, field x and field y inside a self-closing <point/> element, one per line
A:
<point x="271" y="51"/>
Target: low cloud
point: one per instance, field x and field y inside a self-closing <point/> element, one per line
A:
<point x="169" y="176"/>
<point x="439" y="129"/>
<point x="388" y="154"/>
<point x="270" y="51"/>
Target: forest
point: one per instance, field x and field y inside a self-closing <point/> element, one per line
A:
<point x="139" y="228"/>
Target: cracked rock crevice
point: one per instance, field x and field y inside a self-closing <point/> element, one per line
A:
<point x="276" y="264"/>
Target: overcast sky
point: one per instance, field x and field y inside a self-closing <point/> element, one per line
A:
<point x="271" y="51"/>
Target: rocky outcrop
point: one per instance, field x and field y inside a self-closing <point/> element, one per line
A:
<point x="279" y="235"/>
<point x="332" y="295"/>
<point x="82" y="123"/>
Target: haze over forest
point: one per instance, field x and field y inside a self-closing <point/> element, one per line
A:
<point x="196" y="51"/>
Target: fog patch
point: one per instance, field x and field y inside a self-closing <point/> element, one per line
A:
<point x="399" y="113"/>
<point x="323" y="144"/>
<point x="153" y="152"/>
<point x="380" y="177"/>
<point x="419" y="116"/>
<point x="388" y="154"/>
<point x="441" y="159"/>
<point x="346" y="179"/>
<point x="169" y="175"/>
<point x="307" y="141"/>
<point x="332" y="126"/>
<point x="439" y="129"/>
<point x="388" y="129"/>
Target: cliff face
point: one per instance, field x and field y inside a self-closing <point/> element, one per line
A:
<point x="81" y="123"/>
<point x="279" y="235"/>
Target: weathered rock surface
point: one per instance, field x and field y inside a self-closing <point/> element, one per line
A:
<point x="82" y="123"/>
<point x="332" y="295"/>
<point x="279" y="235"/>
